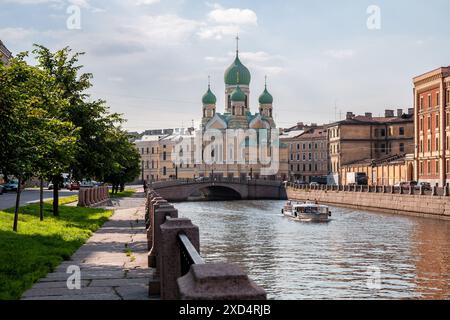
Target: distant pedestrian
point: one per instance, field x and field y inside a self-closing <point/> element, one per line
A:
<point x="145" y="186"/>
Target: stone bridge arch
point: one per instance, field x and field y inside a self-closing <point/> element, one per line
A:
<point x="177" y="191"/>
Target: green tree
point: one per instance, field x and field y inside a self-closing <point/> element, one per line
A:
<point x="124" y="163"/>
<point x="34" y="139"/>
<point x="92" y="118"/>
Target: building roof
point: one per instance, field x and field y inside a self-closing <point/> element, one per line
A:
<point x="393" y="159"/>
<point x="364" y="120"/>
<point x="237" y="73"/>
<point x="238" y="95"/>
<point x="292" y="134"/>
<point x="265" y="97"/>
<point x="209" y="97"/>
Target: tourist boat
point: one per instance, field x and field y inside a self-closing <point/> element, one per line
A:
<point x="306" y="211"/>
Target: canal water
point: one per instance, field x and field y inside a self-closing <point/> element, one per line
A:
<point x="357" y="255"/>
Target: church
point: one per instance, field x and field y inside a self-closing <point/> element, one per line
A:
<point x="237" y="115"/>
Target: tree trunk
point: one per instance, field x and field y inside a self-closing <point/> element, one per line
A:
<point x="122" y="187"/>
<point x="41" y="200"/>
<point x="16" y="211"/>
<point x="56" y="196"/>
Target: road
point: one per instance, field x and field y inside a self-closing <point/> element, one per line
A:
<point x="8" y="200"/>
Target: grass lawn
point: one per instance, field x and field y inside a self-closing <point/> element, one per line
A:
<point x="123" y="194"/>
<point x="39" y="247"/>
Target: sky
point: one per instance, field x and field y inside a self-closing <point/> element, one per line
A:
<point x="151" y="58"/>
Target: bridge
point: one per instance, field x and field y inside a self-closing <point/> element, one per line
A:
<point x="220" y="189"/>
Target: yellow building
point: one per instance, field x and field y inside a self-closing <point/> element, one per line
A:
<point x="368" y="138"/>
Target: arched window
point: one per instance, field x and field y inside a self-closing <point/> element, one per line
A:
<point x="234" y="111"/>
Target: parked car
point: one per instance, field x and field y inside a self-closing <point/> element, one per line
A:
<point x="11" y="186"/>
<point x="314" y="184"/>
<point x="301" y="183"/>
<point x="90" y="184"/>
<point x="424" y="185"/>
<point x="74" y="186"/>
<point x="51" y="186"/>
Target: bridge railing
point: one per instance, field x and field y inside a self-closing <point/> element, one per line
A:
<point x="406" y="190"/>
<point x="169" y="183"/>
<point x="180" y="271"/>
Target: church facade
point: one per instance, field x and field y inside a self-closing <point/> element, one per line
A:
<point x="245" y="144"/>
<point x="238" y="118"/>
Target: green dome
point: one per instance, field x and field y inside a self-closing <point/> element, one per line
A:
<point x="209" y="97"/>
<point x="237" y="73"/>
<point x="265" y="97"/>
<point x="238" y="95"/>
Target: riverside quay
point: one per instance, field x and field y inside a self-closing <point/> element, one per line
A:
<point x="213" y="158"/>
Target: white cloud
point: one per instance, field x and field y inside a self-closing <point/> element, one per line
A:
<point x="161" y="30"/>
<point x="16" y="34"/>
<point x="145" y="2"/>
<point x="218" y="32"/>
<point x="236" y="16"/>
<point x="340" y="54"/>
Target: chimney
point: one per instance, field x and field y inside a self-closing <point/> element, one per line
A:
<point x="389" y="113"/>
<point x="300" y="125"/>
<point x="411" y="111"/>
<point x="350" y="115"/>
<point x="368" y="115"/>
<point x="399" y="113"/>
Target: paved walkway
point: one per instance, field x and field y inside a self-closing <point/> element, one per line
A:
<point x="113" y="262"/>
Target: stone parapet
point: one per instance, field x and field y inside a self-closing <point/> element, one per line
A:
<point x="432" y="206"/>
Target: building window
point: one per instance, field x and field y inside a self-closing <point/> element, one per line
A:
<point x="376" y="132"/>
<point x="448" y="96"/>
<point x="164" y="171"/>
<point x="437" y="121"/>
<point x="429" y="101"/>
<point x="383" y="132"/>
<point x="164" y="156"/>
<point x="447" y="119"/>
<point x="421" y="167"/>
<point x="142" y="151"/>
<point x="298" y="157"/>
<point x="438" y="99"/>
<point x="310" y="156"/>
<point x="437" y="144"/>
<point x="304" y="157"/>
<point x="429" y="167"/>
<point x="421" y="124"/>
<point x="304" y="146"/>
<point x="153" y="150"/>
<point x="402" y="131"/>
<point x="436" y="164"/>
<point x="292" y="157"/>
<point x="292" y="167"/>
<point x="298" y="168"/>
<point x="402" y="147"/>
<point x="421" y="146"/>
<point x="421" y="103"/>
<point x="298" y="146"/>
<point x="383" y="148"/>
<point x="447" y="165"/>
<point x="429" y="123"/>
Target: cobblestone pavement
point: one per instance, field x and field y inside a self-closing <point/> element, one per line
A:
<point x="113" y="262"/>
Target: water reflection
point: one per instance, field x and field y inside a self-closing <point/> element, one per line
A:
<point x="293" y="260"/>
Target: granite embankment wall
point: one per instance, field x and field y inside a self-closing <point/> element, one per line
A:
<point x="437" y="207"/>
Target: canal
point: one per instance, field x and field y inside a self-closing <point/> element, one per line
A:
<point x="358" y="254"/>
